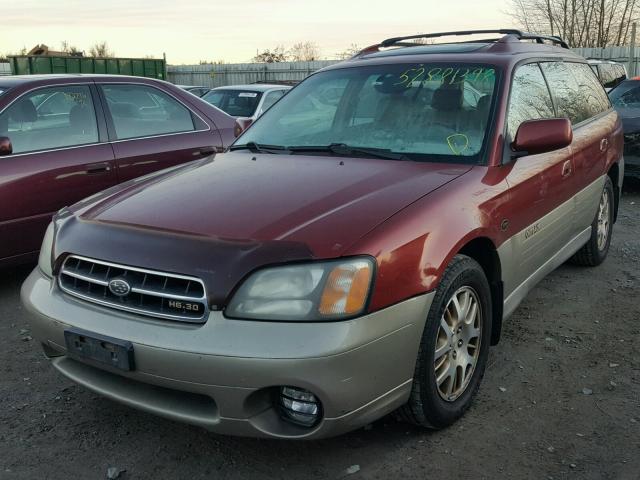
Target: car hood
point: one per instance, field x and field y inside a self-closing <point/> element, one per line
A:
<point x="237" y="212"/>
<point x="630" y="119"/>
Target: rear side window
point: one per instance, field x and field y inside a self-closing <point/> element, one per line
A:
<point x="577" y="95"/>
<point x="570" y="103"/>
<point x="591" y="90"/>
<point x="530" y="98"/>
<point x="141" y="111"/>
<point x="50" y="118"/>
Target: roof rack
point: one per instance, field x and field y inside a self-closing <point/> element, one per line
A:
<point x="520" y="35"/>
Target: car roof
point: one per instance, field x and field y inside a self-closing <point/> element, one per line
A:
<point x="10" y="81"/>
<point x="509" y="48"/>
<point x="255" y="87"/>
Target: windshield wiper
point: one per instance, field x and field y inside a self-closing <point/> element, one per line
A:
<point x="348" y="150"/>
<point x="258" y="148"/>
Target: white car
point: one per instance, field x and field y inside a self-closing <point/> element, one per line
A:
<point x="246" y="101"/>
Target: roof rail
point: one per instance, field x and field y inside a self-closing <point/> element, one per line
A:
<point x="520" y="35"/>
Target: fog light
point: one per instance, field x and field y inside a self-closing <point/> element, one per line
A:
<point x="299" y="406"/>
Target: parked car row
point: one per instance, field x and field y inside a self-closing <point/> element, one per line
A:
<point x="355" y="251"/>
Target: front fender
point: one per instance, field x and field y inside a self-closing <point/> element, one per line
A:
<point x="414" y="247"/>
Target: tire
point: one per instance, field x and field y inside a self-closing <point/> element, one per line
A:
<point x="427" y="405"/>
<point x="596" y="249"/>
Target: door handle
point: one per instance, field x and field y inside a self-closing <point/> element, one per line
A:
<point x="97" y="168"/>
<point x="604" y="144"/>
<point x="567" y="168"/>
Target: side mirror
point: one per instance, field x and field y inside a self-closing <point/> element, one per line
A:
<point x="5" y="146"/>
<point x="242" y="123"/>
<point x="541" y="136"/>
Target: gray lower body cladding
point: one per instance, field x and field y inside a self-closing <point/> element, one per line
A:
<point x="223" y="375"/>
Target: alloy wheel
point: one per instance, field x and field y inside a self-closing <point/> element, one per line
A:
<point x="603" y="220"/>
<point x="458" y="343"/>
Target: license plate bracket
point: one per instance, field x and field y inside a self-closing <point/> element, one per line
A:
<point x="101" y="349"/>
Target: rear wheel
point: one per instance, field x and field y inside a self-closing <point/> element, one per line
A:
<point x="454" y="347"/>
<point x="596" y="249"/>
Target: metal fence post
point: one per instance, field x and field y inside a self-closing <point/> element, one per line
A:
<point x="632" y="51"/>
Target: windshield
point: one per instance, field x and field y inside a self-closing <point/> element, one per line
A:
<point x="237" y="103"/>
<point x="626" y="95"/>
<point x="431" y="112"/>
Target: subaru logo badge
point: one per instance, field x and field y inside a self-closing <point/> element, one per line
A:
<point x="119" y="287"/>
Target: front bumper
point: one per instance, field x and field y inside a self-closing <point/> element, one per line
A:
<point x="223" y="375"/>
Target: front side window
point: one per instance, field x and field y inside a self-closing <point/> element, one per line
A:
<point x="237" y="103"/>
<point x="50" y="118"/>
<point x="422" y="112"/>
<point x="141" y="111"/>
<point x="530" y="98"/>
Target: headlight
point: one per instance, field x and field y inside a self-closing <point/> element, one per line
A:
<point x="44" y="260"/>
<point x="306" y="292"/>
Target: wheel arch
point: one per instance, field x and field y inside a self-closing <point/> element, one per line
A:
<point x="614" y="175"/>
<point x="483" y="251"/>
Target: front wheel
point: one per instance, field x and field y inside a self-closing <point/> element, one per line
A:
<point x="596" y="249"/>
<point x="454" y="347"/>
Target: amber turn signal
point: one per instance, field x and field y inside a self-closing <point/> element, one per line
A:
<point x="346" y="289"/>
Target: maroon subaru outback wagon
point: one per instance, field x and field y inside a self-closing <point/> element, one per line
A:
<point x="65" y="137"/>
<point x="356" y="251"/>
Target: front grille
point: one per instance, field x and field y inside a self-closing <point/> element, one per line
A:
<point x="157" y="294"/>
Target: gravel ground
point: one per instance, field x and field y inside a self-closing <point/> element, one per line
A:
<point x="560" y="399"/>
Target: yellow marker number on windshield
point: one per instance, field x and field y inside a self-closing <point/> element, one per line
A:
<point x="458" y="143"/>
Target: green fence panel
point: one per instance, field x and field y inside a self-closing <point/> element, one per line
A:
<point x="139" y="67"/>
<point x="100" y="65"/>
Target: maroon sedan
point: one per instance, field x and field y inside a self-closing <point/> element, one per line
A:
<point x="65" y="137"/>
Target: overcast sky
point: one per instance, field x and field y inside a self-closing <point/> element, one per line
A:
<point x="193" y="30"/>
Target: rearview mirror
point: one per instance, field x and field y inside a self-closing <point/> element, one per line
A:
<point x="541" y="136"/>
<point x="242" y="123"/>
<point x="5" y="146"/>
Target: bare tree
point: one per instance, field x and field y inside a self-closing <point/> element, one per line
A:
<point x="278" y="54"/>
<point x="349" y="52"/>
<point x="304" y="52"/>
<point x="212" y="62"/>
<point x="582" y="23"/>
<point x="70" y="49"/>
<point x="101" y="49"/>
